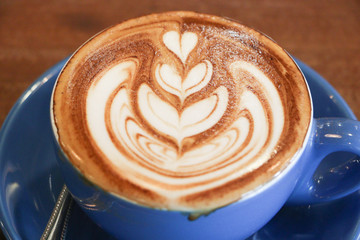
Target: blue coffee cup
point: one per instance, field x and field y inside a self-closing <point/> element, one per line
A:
<point x="292" y="185"/>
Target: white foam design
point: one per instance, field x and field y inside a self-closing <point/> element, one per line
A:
<point x="197" y="78"/>
<point x="180" y="45"/>
<point x="216" y="157"/>
<point x="270" y="92"/>
<point x="195" y="119"/>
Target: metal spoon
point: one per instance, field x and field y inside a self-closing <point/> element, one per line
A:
<point x="57" y="225"/>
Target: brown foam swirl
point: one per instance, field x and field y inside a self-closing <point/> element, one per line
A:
<point x="175" y="110"/>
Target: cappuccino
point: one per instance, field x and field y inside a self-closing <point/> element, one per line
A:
<point x="180" y="110"/>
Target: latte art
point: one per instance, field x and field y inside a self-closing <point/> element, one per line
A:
<point x="180" y="114"/>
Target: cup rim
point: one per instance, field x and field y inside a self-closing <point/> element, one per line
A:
<point x="247" y="195"/>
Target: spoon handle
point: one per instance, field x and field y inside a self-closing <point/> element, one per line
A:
<point x="57" y="224"/>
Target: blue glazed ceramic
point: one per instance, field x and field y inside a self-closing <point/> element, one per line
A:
<point x="30" y="177"/>
<point x="237" y="220"/>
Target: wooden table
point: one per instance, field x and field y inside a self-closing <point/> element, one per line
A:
<point x="35" y="34"/>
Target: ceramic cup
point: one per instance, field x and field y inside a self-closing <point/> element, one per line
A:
<point x="238" y="220"/>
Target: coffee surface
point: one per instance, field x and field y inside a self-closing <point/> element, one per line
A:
<point x="181" y="110"/>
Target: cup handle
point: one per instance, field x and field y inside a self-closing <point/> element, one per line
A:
<point x="341" y="175"/>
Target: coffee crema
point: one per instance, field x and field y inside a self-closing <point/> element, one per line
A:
<point x="181" y="110"/>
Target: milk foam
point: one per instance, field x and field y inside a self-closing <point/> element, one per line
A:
<point x="211" y="159"/>
<point x="182" y="114"/>
<point x="180" y="45"/>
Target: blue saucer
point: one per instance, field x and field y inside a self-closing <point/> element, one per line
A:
<point x="30" y="179"/>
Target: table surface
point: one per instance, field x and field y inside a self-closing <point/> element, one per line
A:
<point x="35" y="35"/>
